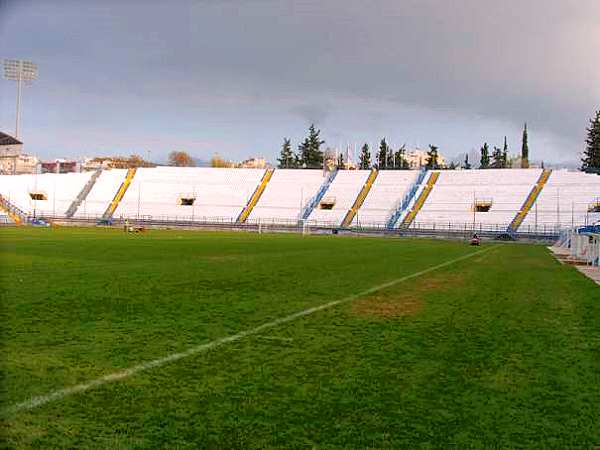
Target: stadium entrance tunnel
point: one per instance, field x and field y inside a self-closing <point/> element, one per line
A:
<point x="482" y="205"/>
<point x="38" y="195"/>
<point x="187" y="201"/>
<point x="327" y="203"/>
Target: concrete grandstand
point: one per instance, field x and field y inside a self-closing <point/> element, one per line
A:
<point x="518" y="200"/>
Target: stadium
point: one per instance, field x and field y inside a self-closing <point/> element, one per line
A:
<point x="423" y="274"/>
<point x="238" y="308"/>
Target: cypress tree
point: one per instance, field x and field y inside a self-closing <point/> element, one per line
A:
<point x="287" y="159"/>
<point x="365" y="156"/>
<point x="505" y="155"/>
<point x="591" y="156"/>
<point x="467" y="165"/>
<point x="340" y="161"/>
<point x="525" y="149"/>
<point x="484" y="163"/>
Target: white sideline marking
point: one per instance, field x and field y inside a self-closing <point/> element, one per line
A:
<point x="34" y="402"/>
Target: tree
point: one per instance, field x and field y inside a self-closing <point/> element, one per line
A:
<point x="365" y="156"/>
<point x="497" y="160"/>
<point x="309" y="151"/>
<point x="432" y="157"/>
<point x="180" y="159"/>
<point x="400" y="158"/>
<point x="391" y="162"/>
<point x="287" y="159"/>
<point x="591" y="154"/>
<point x="505" y="154"/>
<point x="484" y="163"/>
<point x="467" y="166"/>
<point x="340" y="161"/>
<point x="382" y="155"/>
<point x="525" y="149"/>
<point x="218" y="161"/>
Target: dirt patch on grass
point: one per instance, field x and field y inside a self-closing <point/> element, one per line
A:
<point x="405" y="300"/>
<point x="387" y="307"/>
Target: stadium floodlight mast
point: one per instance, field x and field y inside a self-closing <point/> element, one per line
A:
<point x="21" y="72"/>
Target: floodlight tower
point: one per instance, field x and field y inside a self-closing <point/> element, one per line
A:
<point x="21" y="72"/>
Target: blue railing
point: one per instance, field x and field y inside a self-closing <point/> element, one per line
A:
<point x="408" y="197"/>
<point x="321" y="192"/>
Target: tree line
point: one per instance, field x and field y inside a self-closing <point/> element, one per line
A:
<point x="310" y="155"/>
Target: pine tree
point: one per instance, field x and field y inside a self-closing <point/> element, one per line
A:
<point x="309" y="151"/>
<point x="591" y="155"/>
<point x="382" y="156"/>
<point x="525" y="149"/>
<point x="484" y="163"/>
<point x="287" y="159"/>
<point x="467" y="165"/>
<point x="432" y="157"/>
<point x="365" y="156"/>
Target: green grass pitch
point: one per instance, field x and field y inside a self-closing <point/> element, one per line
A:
<point x="499" y="349"/>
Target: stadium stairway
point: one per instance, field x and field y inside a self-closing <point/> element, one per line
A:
<point x="360" y="198"/>
<point x="410" y="217"/>
<point x="255" y="196"/>
<point x="405" y="203"/>
<point x="529" y="202"/>
<point x="16" y="215"/>
<point x="112" y="207"/>
<point x="312" y="204"/>
<point x="83" y="194"/>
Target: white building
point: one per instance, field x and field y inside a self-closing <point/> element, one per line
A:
<point x="12" y="159"/>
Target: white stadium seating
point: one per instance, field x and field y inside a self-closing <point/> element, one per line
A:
<point x="59" y="190"/>
<point x="286" y="195"/>
<point x="453" y="197"/>
<point x="220" y="194"/>
<point x="385" y="196"/>
<point x="344" y="189"/>
<point x="102" y="193"/>
<point x="564" y="201"/>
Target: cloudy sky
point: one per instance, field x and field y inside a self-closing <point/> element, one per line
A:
<point x="236" y="76"/>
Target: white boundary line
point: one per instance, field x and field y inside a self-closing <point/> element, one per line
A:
<point x="34" y="402"/>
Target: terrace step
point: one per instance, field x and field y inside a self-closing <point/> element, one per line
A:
<point x="410" y="217"/>
<point x="529" y="202"/>
<point x="255" y="196"/>
<point x="406" y="201"/>
<point x="360" y="198"/>
<point x="16" y="214"/>
<point x="312" y="204"/>
<point x="83" y="194"/>
<point x="112" y="207"/>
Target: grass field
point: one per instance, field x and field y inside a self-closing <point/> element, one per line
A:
<point x="498" y="348"/>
